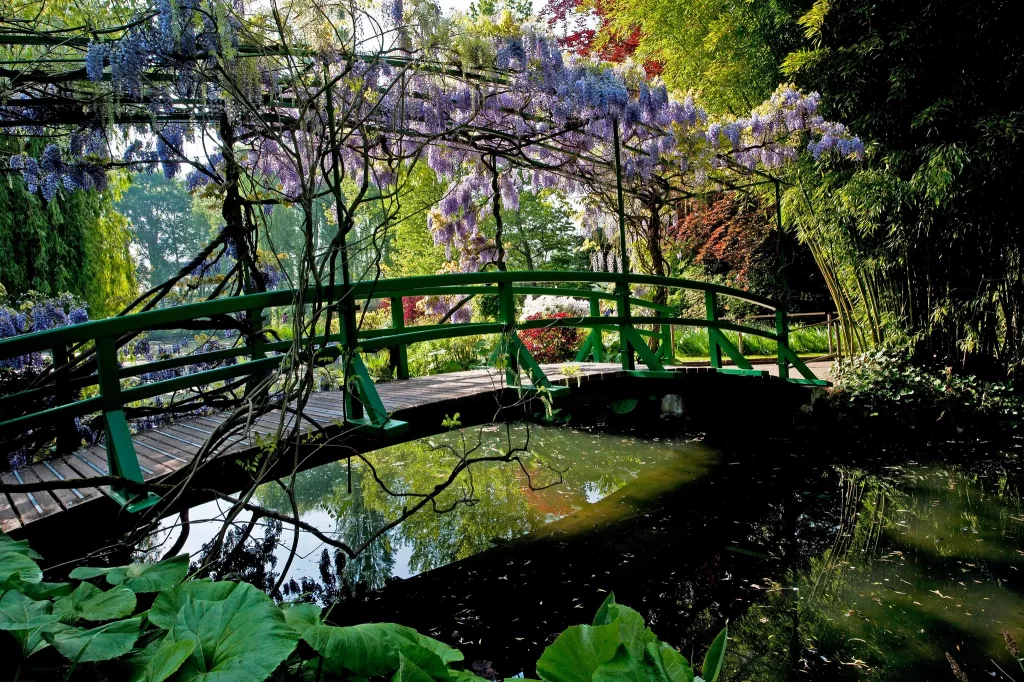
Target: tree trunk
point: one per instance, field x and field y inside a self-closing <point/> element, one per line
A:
<point x="657" y="260"/>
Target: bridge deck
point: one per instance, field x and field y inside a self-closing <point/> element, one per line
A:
<point x="166" y="449"/>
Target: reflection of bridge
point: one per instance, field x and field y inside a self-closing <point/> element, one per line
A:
<point x="86" y="379"/>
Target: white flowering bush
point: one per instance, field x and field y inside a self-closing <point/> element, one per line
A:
<point x="547" y="306"/>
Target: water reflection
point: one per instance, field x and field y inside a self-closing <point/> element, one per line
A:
<point x="825" y="569"/>
<point x="924" y="560"/>
<point x="489" y="504"/>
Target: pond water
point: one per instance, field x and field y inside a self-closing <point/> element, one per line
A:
<point x="870" y="569"/>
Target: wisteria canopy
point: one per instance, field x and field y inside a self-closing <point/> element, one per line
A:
<point x="490" y="115"/>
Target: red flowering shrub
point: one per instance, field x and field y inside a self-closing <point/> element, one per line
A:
<point x="551" y="344"/>
<point x="410" y="312"/>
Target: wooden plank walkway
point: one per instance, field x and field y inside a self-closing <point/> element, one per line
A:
<point x="166" y="449"/>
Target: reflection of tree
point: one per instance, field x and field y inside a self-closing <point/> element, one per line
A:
<point x="312" y="487"/>
<point x="506" y="503"/>
<point x="357" y="524"/>
<point x="801" y="630"/>
<point x="241" y="557"/>
<point x="490" y="502"/>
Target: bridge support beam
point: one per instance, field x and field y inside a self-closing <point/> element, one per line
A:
<point x="122" y="460"/>
<point x="593" y="345"/>
<point x="511" y="354"/>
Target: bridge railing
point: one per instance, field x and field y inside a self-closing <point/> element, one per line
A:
<point x="86" y="376"/>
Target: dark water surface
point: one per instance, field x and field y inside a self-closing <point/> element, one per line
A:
<point x="866" y="570"/>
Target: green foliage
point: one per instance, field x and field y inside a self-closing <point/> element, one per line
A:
<point x="101" y="643"/>
<point x="379" y="365"/>
<point x="88" y="602"/>
<point x="141" y="577"/>
<point x="729" y="53"/>
<point x="77" y="243"/>
<point x="167" y="229"/>
<point x="888" y="387"/>
<point x="541" y="234"/>
<point x="243" y="636"/>
<point x="490" y="9"/>
<point x="923" y="245"/>
<point x="18" y="561"/>
<point x="447" y="355"/>
<point x="205" y="631"/>
<point x="692" y="342"/>
<point x="413" y="251"/>
<point x="619" y="646"/>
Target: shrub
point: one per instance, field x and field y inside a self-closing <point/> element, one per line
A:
<point x="411" y="310"/>
<point x="886" y="385"/>
<point x="378" y="364"/>
<point x="693" y="341"/>
<point x="378" y="318"/>
<point x="536" y="307"/>
<point x="551" y="344"/>
<point x="447" y="355"/>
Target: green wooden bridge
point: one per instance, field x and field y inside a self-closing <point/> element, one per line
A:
<point x="86" y="378"/>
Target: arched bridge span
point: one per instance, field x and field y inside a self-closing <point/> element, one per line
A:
<point x="86" y="376"/>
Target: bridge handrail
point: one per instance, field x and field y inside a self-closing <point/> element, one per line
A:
<point x="480" y="283"/>
<point x="384" y="288"/>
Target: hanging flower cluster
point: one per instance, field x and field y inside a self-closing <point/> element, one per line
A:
<point x="529" y="118"/>
<point x="36" y="314"/>
<point x="51" y="172"/>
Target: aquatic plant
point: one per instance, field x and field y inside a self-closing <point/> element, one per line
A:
<point x="99" y="627"/>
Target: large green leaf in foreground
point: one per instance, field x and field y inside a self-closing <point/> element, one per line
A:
<point x="16" y="559"/>
<point x="89" y="602"/>
<point x="26" y="620"/>
<point x="618" y="647"/>
<point x="98" y="644"/>
<point x="377" y="649"/>
<point x="160" y="660"/>
<point x="141" y="577"/>
<point x="168" y="603"/>
<point x="578" y="652"/>
<point x="240" y="638"/>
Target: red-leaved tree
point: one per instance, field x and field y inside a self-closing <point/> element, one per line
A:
<point x="583" y="29"/>
<point x="727" y="237"/>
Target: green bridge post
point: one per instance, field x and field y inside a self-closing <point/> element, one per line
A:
<point x="593" y="345"/>
<point x="254" y="341"/>
<point x="667" y="353"/>
<point x="596" y="336"/>
<point x="782" y="331"/>
<point x="122" y="460"/>
<point x="67" y="435"/>
<point x="399" y="354"/>
<point x="714" y="349"/>
<point x="625" y="327"/>
<point x="506" y="347"/>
